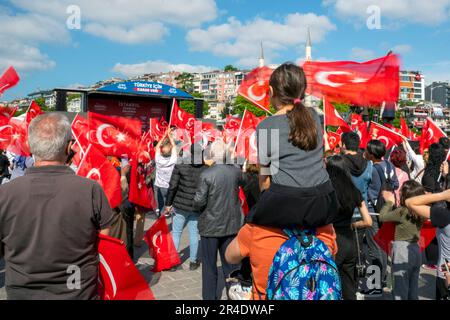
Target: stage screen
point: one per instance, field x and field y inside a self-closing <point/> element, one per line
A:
<point x="130" y="107"/>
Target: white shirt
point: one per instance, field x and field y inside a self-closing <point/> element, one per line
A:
<point x="164" y="168"/>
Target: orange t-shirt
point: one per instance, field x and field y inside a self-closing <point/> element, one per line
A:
<point x="262" y="243"/>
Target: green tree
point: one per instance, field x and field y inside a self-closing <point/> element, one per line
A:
<point x="189" y="105"/>
<point x="240" y="104"/>
<point x="41" y="102"/>
<point x="230" y="68"/>
<point x="185" y="81"/>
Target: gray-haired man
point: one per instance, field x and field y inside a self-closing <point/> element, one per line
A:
<point x="50" y="219"/>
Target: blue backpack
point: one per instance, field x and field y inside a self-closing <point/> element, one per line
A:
<point x="303" y="269"/>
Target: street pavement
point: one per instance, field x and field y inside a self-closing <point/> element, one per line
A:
<point x="187" y="285"/>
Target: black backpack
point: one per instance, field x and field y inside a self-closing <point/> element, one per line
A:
<point x="386" y="185"/>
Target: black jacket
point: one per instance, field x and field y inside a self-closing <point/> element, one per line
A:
<point x="218" y="200"/>
<point x="183" y="185"/>
<point x="356" y="164"/>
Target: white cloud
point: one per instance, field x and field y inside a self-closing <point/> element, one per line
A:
<point x="149" y="32"/>
<point x="362" y="54"/>
<point x="417" y="11"/>
<point x="402" y="48"/>
<point x="157" y="66"/>
<point x="240" y="40"/>
<point x="131" y="21"/>
<point x="20" y="36"/>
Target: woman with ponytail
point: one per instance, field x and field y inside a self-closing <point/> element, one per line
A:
<point x="296" y="187"/>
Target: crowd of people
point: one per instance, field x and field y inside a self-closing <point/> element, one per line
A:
<point x="310" y="233"/>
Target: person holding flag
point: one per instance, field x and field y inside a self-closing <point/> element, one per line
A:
<point x="297" y="188"/>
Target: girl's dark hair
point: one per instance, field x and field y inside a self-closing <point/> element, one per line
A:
<point x="346" y="192"/>
<point x="288" y="82"/>
<point x="410" y="189"/>
<point x="436" y="157"/>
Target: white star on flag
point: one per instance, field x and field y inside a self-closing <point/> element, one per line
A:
<point x="121" y="137"/>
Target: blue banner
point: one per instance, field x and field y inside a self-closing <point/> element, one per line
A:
<point x="147" y="89"/>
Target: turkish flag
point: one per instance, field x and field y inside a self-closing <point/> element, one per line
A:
<point x="8" y="112"/>
<point x="119" y="279"/>
<point x="333" y="139"/>
<point x="8" y="79"/>
<point x="333" y="118"/>
<point x="356" y="119"/>
<point x="363" y="133"/>
<point x="180" y="118"/>
<point x="243" y="201"/>
<point x="365" y="84"/>
<point x="145" y="149"/>
<point x="431" y="133"/>
<point x="131" y="126"/>
<point x="80" y="131"/>
<point x="158" y="128"/>
<point x="386" y="234"/>
<point x="18" y="143"/>
<point x="139" y="192"/>
<point x="161" y="246"/>
<point x="5" y="132"/>
<point x="255" y="87"/>
<point x="231" y="128"/>
<point x="111" y="140"/>
<point x="404" y="128"/>
<point x="95" y="166"/>
<point x="246" y="144"/>
<point x="33" y="111"/>
<point x="387" y="136"/>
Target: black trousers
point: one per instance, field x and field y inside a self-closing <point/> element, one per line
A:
<point x="129" y="210"/>
<point x="209" y="249"/>
<point x="346" y="259"/>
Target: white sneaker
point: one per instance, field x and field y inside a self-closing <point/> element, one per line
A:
<point x="237" y="292"/>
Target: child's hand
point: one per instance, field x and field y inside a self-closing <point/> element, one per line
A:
<point x="388" y="196"/>
<point x="444" y="168"/>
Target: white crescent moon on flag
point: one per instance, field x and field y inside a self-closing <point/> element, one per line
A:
<point x="109" y="272"/>
<point x="252" y="96"/>
<point x="323" y="78"/>
<point x="94" y="171"/>
<point x="384" y="140"/>
<point x="155" y="239"/>
<point x="99" y="137"/>
<point x="430" y="134"/>
<point x="180" y="115"/>
<point x="3" y="128"/>
<point x="333" y="140"/>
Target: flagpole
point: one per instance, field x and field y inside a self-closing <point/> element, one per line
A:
<point x="239" y="132"/>
<point x="171" y="112"/>
<point x="324" y="113"/>
<point x="84" y="157"/>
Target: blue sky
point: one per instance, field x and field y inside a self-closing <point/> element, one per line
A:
<point x="125" y="38"/>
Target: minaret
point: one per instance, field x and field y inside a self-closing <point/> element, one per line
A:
<point x="262" y="62"/>
<point x="308" y="49"/>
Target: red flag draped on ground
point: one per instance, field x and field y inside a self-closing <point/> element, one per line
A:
<point x="431" y="133"/>
<point x="118" y="276"/>
<point x="333" y="139"/>
<point x="181" y="119"/>
<point x="255" y="87"/>
<point x="111" y="140"/>
<point x="333" y="118"/>
<point x="8" y="79"/>
<point x="161" y="246"/>
<point x="386" y="234"/>
<point x="387" y="136"/>
<point x="364" y="84"/>
<point x="33" y="111"/>
<point x="95" y="166"/>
